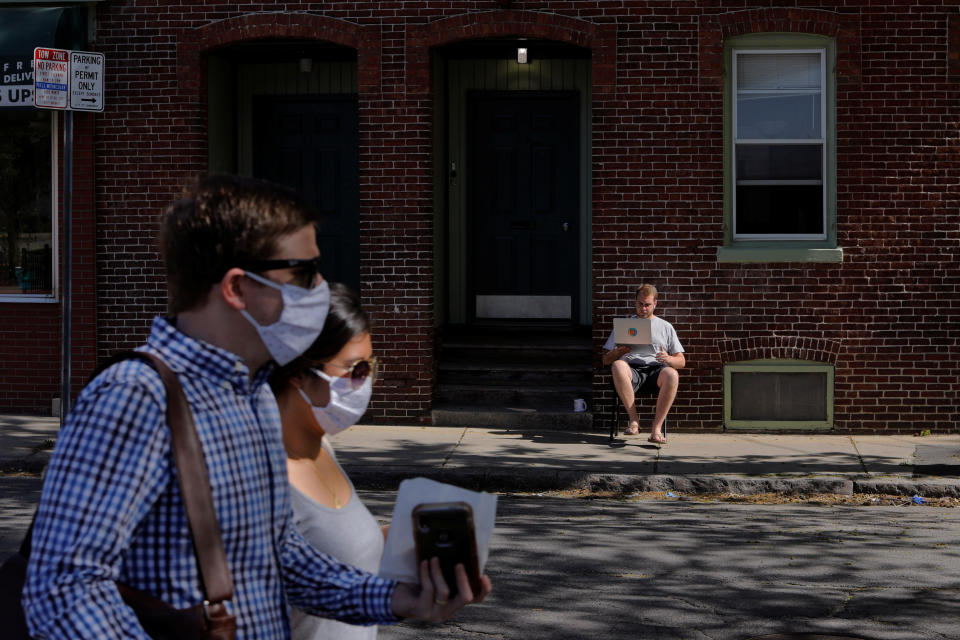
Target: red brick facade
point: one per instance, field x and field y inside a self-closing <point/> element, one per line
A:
<point x="31" y="331"/>
<point x="888" y="315"/>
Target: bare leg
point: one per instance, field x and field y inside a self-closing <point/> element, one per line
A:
<point x="667" y="381"/>
<point x="623" y="383"/>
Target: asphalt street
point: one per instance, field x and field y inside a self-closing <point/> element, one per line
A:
<point x="18" y="500"/>
<point x="608" y="569"/>
<point x="651" y="570"/>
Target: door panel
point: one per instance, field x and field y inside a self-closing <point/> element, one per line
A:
<point x="505" y="257"/>
<point x="543" y="249"/>
<point x="309" y="143"/>
<point x="523" y="194"/>
<point x="544" y="181"/>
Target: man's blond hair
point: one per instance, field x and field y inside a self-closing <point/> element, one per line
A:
<point x="646" y="290"/>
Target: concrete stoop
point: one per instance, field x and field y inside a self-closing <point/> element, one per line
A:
<point x="515" y="376"/>
<point x="512" y="418"/>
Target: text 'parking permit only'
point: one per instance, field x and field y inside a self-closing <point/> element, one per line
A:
<point x="86" y="81"/>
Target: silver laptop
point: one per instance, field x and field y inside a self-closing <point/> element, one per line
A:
<point x="631" y="331"/>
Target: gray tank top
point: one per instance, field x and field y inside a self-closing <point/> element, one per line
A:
<point x="350" y="534"/>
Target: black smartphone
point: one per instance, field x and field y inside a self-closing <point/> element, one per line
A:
<point x="445" y="530"/>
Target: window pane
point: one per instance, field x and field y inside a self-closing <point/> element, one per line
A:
<point x="779" y="162"/>
<point x="766" y="116"/>
<point x="26" y="261"/>
<point x="761" y="71"/>
<point x="778" y="96"/>
<point x="779" y="209"/>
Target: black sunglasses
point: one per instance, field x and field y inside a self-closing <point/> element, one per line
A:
<point x="307" y="269"/>
<point x="359" y="371"/>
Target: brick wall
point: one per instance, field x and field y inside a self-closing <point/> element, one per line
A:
<point x="887" y="316"/>
<point x="31" y="349"/>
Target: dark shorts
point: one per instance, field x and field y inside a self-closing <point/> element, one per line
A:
<point x="645" y="377"/>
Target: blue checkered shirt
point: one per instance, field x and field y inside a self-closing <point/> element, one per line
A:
<point x="112" y="509"/>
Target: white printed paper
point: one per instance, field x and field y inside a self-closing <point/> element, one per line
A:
<point x="399" y="560"/>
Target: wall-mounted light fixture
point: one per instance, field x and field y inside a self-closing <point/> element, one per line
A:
<point x="306" y="65"/>
<point x="521" y="55"/>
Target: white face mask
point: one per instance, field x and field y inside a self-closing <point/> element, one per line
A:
<point x="300" y="322"/>
<point x="347" y="405"/>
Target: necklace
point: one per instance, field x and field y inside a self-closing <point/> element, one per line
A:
<point x="336" y="500"/>
<point x="319" y="475"/>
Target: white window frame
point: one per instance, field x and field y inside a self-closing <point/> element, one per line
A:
<point x="54" y="295"/>
<point x="822" y="140"/>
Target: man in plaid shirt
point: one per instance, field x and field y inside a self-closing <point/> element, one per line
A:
<point x="245" y="289"/>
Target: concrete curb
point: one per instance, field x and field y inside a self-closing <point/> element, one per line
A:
<point x="546" y="479"/>
<point x="924" y="488"/>
<point x="561" y="480"/>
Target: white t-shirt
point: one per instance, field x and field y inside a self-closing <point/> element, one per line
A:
<point x="351" y="535"/>
<point x="662" y="333"/>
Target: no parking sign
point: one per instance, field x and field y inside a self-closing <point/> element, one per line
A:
<point x="51" y="75"/>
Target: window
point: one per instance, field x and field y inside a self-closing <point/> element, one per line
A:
<point x="778" y="394"/>
<point x="26" y="205"/>
<point x="779" y="145"/>
<point x="779" y="173"/>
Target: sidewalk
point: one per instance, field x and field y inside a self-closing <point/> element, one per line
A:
<point x="512" y="460"/>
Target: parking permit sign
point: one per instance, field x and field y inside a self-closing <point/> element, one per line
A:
<point x="86" y="81"/>
<point x="51" y="73"/>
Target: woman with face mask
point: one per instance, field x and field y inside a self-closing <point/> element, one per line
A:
<point x="321" y="393"/>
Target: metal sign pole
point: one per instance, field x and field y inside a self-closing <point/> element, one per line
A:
<point x="67" y="245"/>
<point x="67" y="80"/>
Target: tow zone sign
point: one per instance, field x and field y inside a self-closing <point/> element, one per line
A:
<point x="64" y="79"/>
<point x="51" y="73"/>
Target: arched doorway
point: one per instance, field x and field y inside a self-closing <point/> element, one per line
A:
<point x="286" y="111"/>
<point x="515" y="194"/>
<point x="513" y="232"/>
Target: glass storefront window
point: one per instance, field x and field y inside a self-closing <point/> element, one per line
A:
<point x="26" y="203"/>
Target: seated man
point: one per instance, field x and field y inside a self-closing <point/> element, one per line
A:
<point x="647" y="368"/>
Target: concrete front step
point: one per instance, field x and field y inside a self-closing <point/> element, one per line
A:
<point x="492" y="395"/>
<point x="511" y="418"/>
<point x="513" y="337"/>
<point x="519" y="375"/>
<point x="517" y="354"/>
<point x="494" y="374"/>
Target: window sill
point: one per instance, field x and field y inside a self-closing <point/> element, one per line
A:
<point x="773" y="254"/>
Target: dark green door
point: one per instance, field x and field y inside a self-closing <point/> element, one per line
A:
<point x="524" y="202"/>
<point x="309" y="143"/>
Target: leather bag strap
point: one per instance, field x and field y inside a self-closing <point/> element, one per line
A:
<point x="215" y="577"/>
